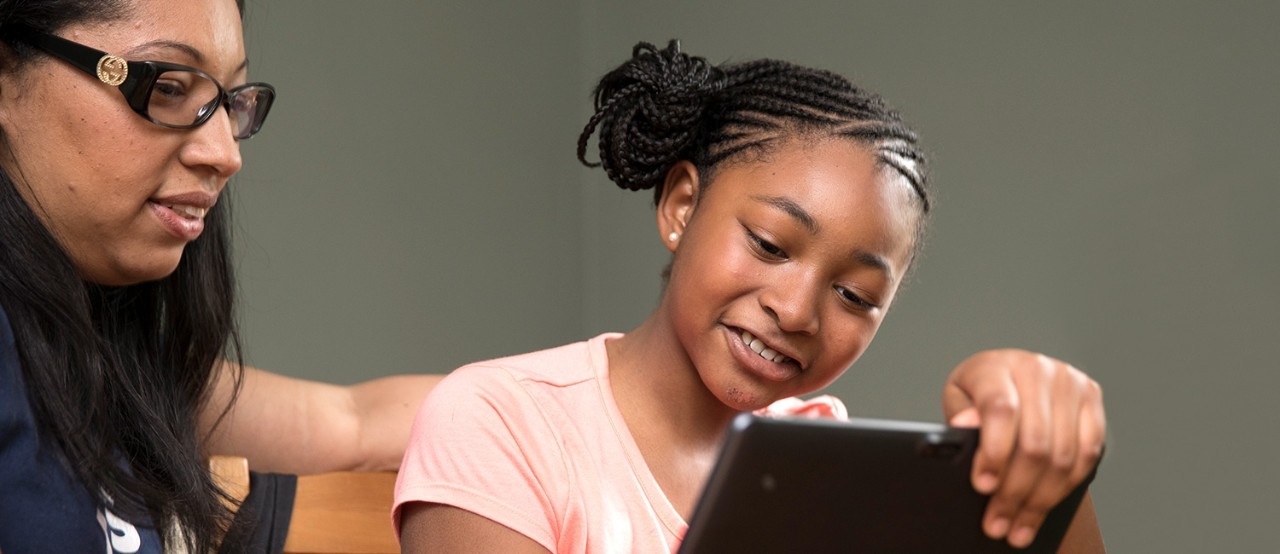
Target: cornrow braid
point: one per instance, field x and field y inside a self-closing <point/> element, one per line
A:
<point x="663" y="106"/>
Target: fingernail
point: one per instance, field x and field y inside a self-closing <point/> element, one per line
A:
<point x="998" y="527"/>
<point x="1022" y="537"/>
<point x="985" y="483"/>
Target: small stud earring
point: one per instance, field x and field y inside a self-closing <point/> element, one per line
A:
<point x="674" y="236"/>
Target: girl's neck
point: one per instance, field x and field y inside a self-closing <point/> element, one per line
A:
<point x="675" y="421"/>
<point x="657" y="387"/>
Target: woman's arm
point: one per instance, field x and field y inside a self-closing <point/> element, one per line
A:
<point x="439" y="528"/>
<point x="289" y="425"/>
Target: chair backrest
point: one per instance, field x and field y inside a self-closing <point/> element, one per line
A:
<point x="344" y="512"/>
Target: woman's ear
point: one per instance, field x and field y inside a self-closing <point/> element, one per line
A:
<point x="675" y="206"/>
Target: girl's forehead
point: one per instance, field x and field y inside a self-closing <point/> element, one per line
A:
<point x="831" y="168"/>
<point x="836" y="185"/>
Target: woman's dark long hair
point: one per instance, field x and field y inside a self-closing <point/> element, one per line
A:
<point x="117" y="376"/>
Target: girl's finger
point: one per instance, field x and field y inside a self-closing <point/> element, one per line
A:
<point x="1093" y="430"/>
<point x="1054" y="482"/>
<point x="1028" y="460"/>
<point x="998" y="406"/>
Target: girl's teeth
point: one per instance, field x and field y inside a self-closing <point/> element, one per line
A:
<point x="759" y="348"/>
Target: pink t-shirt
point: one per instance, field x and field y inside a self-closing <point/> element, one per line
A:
<point x="535" y="442"/>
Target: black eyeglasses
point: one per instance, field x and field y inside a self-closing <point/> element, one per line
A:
<point x="166" y="94"/>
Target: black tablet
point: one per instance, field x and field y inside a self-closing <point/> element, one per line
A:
<point x="866" y="485"/>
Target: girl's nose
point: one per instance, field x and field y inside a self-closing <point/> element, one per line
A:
<point x="793" y="304"/>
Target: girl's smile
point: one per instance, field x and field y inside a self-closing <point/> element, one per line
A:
<point x="761" y="358"/>
<point x="785" y="267"/>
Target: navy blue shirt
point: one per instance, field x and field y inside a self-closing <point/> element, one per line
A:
<point x="43" y="507"/>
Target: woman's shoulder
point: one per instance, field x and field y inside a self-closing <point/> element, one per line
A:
<point x="39" y="491"/>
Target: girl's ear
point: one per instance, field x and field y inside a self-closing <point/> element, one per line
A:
<point x="675" y="206"/>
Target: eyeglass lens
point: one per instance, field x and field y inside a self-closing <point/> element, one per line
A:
<point x="183" y="99"/>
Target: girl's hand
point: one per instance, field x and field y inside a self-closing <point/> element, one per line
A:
<point x="1042" y="434"/>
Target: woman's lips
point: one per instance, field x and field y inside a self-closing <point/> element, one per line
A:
<point x="183" y="221"/>
<point x="183" y="214"/>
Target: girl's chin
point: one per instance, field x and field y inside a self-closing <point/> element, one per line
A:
<point x="742" y="399"/>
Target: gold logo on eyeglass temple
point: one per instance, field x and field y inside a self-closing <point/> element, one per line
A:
<point x="112" y="70"/>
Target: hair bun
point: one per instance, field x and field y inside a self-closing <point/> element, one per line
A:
<point x="648" y="112"/>
<point x="670" y="77"/>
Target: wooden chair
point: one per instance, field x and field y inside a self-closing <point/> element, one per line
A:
<point x="343" y="512"/>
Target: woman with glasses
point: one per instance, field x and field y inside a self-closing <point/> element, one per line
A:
<point x="120" y="125"/>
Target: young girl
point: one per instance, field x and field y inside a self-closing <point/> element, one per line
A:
<point x="793" y="203"/>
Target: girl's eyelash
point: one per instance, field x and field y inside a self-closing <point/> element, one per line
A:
<point x="855" y="299"/>
<point x="765" y="246"/>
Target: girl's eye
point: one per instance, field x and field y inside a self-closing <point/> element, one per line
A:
<point x="765" y="247"/>
<point x="853" y="298"/>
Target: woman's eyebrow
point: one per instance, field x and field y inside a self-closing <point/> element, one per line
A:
<point x="190" y="51"/>
<point x="791" y="208"/>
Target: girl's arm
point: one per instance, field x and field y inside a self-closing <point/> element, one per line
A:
<point x="439" y="528"/>
<point x="289" y="425"/>
<point x="1043" y="429"/>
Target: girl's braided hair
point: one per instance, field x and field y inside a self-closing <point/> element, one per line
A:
<point x="664" y="106"/>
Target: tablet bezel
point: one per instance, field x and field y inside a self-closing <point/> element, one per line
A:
<point x="874" y="485"/>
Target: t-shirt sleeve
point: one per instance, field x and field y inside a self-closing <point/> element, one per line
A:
<point x="480" y="443"/>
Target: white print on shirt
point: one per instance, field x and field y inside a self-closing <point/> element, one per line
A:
<point x="121" y="536"/>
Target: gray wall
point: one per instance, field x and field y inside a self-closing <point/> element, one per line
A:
<point x="411" y="205"/>
<point x="1106" y="177"/>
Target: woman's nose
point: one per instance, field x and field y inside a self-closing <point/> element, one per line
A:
<point x="213" y="146"/>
